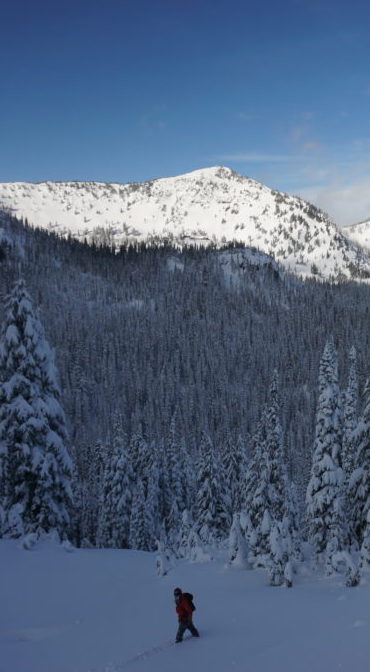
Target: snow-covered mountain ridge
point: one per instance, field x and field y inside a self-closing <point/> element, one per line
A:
<point x="213" y="205"/>
<point x="359" y="233"/>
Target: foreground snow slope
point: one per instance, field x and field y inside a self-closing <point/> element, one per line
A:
<point x="208" y="205"/>
<point x="107" y="610"/>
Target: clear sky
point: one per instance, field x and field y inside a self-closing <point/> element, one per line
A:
<point x="130" y="90"/>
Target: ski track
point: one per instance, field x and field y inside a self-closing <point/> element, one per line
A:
<point x="120" y="667"/>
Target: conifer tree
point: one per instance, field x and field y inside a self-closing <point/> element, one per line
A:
<point x="92" y="492"/>
<point x="264" y="534"/>
<point x="352" y="571"/>
<point x="138" y="525"/>
<point x="34" y="463"/>
<point x="238" y="545"/>
<point x="275" y="563"/>
<point x="324" y="497"/>
<point x="365" y="548"/>
<point x="350" y="417"/>
<point x="256" y="478"/>
<point x="233" y="474"/>
<point x="198" y="551"/>
<point x="174" y="487"/>
<point x="211" y="519"/>
<point x="288" y="574"/>
<point x="117" y="494"/>
<point x="139" y="455"/>
<point x="241" y="448"/>
<point x="187" y="476"/>
<point x="268" y="490"/>
<point x="77" y="511"/>
<point x="184" y="534"/>
<point x="279" y="491"/>
<point x="162" y="558"/>
<point x="359" y="483"/>
<point x="153" y="502"/>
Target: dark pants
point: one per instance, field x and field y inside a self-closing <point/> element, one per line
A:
<point x="186" y="625"/>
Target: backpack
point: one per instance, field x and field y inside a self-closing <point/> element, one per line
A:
<point x="189" y="599"/>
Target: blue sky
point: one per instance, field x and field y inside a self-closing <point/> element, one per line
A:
<point x="130" y="90"/>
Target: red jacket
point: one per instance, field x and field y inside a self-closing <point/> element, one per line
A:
<point x="183" y="609"/>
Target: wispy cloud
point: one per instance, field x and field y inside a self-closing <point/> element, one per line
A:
<point x="336" y="178"/>
<point x="303" y="140"/>
<point x="346" y="204"/>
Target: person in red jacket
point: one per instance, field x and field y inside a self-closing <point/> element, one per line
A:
<point x="185" y="615"/>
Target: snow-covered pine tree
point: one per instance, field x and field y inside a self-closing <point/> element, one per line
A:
<point x="349" y="424"/>
<point x="352" y="571"/>
<point x="153" y="502"/>
<point x="76" y="512"/>
<point x="365" y="548"/>
<point x="245" y="524"/>
<point x="254" y="548"/>
<point x="232" y="472"/>
<point x="138" y="524"/>
<point x="2" y="518"/>
<point x="92" y="492"/>
<point x="241" y="448"/>
<point x="139" y="455"/>
<point x="281" y="492"/>
<point x="187" y="476"/>
<point x="256" y="483"/>
<point x="238" y="545"/>
<point x="359" y="483"/>
<point x="264" y="534"/>
<point x="174" y="489"/>
<point x="198" y="552"/>
<point x="350" y="416"/>
<point x="278" y="490"/>
<point x="276" y="562"/>
<point x="288" y="574"/>
<point x="268" y="490"/>
<point x="162" y="558"/>
<point x="118" y="489"/>
<point x="211" y="518"/>
<point x="326" y="520"/>
<point x="186" y="526"/>
<point x="34" y="462"/>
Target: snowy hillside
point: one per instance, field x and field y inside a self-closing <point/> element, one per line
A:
<point x="214" y="204"/>
<point x="359" y="233"/>
<point x="108" y="611"/>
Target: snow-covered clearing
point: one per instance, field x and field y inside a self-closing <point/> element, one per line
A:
<point x="108" y="611"/>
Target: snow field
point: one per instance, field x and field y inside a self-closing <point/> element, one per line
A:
<point x="207" y="204"/>
<point x="108" y="611"/>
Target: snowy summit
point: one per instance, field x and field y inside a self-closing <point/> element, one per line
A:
<point x="212" y="205"/>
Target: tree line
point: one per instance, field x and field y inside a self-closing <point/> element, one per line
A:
<point x="189" y="438"/>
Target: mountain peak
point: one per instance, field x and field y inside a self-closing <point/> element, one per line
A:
<point x="221" y="172"/>
<point x="209" y="205"/>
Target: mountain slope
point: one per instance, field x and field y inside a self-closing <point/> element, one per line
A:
<point x="359" y="233"/>
<point x="211" y="205"/>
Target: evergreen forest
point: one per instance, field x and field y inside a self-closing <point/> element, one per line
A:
<point x="181" y="400"/>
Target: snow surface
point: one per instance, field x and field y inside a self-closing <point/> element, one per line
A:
<point x="211" y="205"/>
<point x="108" y="611"/>
<point x="359" y="233"/>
